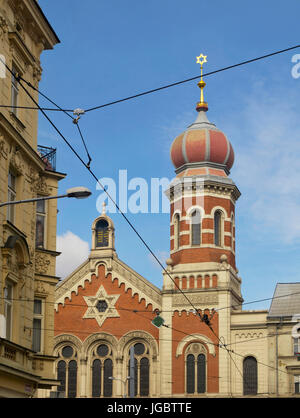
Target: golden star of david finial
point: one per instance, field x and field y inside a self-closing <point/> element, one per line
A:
<point x="202" y="105"/>
<point x="201" y="59"/>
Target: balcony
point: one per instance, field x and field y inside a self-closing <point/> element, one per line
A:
<point x="48" y="155"/>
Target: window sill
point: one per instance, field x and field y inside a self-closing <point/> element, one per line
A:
<point x="15" y="118"/>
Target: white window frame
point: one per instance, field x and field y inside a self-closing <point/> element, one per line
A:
<point x="296" y="345"/>
<point x="42" y="215"/>
<point x="39" y="316"/>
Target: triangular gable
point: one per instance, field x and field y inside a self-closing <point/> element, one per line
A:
<point x="118" y="270"/>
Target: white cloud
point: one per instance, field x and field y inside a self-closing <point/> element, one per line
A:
<point x="267" y="163"/>
<point x="162" y="256"/>
<point x="74" y="251"/>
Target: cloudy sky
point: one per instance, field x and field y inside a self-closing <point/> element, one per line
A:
<point x="112" y="50"/>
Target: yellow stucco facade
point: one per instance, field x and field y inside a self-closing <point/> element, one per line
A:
<point x="28" y="247"/>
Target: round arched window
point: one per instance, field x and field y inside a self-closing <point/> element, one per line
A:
<point x="102" y="233"/>
<point x="67" y="351"/>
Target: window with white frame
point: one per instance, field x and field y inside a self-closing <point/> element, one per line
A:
<point x="218" y="228"/>
<point x="41" y="215"/>
<point x="196" y="227"/>
<point x="8" y="307"/>
<point x="37" y="325"/>
<point x="14" y="90"/>
<point x="297" y="345"/>
<point x="11" y="196"/>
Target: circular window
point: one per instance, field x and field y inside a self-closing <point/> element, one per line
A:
<point x="67" y="351"/>
<point x="101" y="305"/>
<point x="102" y="350"/>
<point x="139" y="349"/>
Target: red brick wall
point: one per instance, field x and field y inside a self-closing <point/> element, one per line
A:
<point x="68" y="318"/>
<point x="184" y="325"/>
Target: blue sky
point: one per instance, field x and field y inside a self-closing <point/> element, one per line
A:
<point x="111" y="50"/>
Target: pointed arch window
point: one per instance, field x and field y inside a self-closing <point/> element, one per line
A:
<point x="195" y="369"/>
<point x="218" y="228"/>
<point x="250" y="376"/>
<point x="176" y="231"/>
<point x="196" y="227"/>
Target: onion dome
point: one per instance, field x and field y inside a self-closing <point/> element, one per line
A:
<point x="202" y="144"/>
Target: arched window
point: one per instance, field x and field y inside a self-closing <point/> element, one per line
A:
<point x="102" y="233"/>
<point x="250" y="376"/>
<point x="232" y="233"/>
<point x="195" y="369"/>
<point x="218" y="228"/>
<point x="141" y="370"/>
<point x="196" y="227"/>
<point x="176" y="231"/>
<point x="102" y="371"/>
<point x="67" y="372"/>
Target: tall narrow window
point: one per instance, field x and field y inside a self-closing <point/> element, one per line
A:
<point x="196" y="227"/>
<point x="14" y="90"/>
<point x="96" y="378"/>
<point x="102" y="371"/>
<point x="102" y="233"/>
<point x="72" y="379"/>
<point x="107" y="382"/>
<point x="176" y="231"/>
<point x="297" y="383"/>
<point x="141" y="370"/>
<point x="190" y="373"/>
<point x="40" y="223"/>
<point x="297" y="344"/>
<point x="250" y="376"/>
<point x="61" y="376"/>
<point x="37" y="325"/>
<point x="144" y="379"/>
<point x="67" y="372"/>
<point x="218" y="226"/>
<point x="8" y="308"/>
<point x="195" y="369"/>
<point x="201" y="372"/>
<point x="11" y="196"/>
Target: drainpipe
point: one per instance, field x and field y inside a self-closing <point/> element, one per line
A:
<point x="277" y="376"/>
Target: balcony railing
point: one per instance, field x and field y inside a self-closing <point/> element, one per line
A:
<point x="48" y="155"/>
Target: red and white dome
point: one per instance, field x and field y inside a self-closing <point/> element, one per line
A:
<point x="204" y="144"/>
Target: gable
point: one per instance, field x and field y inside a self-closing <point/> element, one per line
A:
<point x="110" y="297"/>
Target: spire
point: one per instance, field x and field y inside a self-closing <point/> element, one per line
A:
<point x="103" y="208"/>
<point x="202" y="105"/>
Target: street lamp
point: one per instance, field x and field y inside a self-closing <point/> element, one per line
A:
<point x="124" y="383"/>
<point x="77" y="192"/>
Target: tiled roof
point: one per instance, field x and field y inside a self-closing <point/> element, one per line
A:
<point x="286" y="300"/>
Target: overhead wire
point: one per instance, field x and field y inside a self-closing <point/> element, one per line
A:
<point x="97" y="180"/>
<point x="158" y="88"/>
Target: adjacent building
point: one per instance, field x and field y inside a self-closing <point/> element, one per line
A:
<point x="27" y="231"/>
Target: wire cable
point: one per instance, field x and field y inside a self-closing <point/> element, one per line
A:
<point x="191" y="79"/>
<point x="155" y="89"/>
<point x="97" y="180"/>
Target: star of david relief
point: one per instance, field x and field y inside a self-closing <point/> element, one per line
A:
<point x="101" y="306"/>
